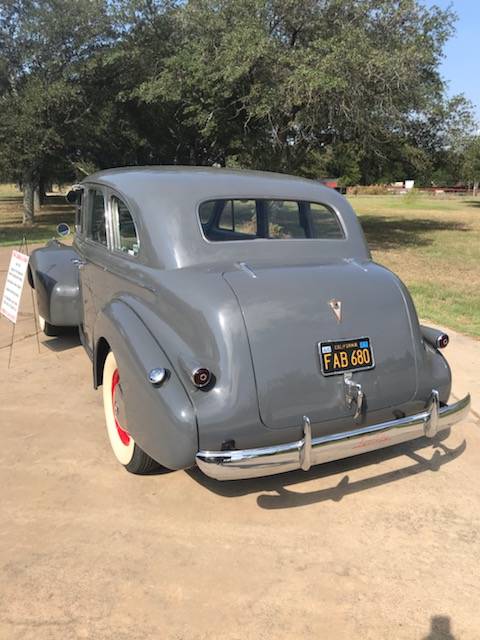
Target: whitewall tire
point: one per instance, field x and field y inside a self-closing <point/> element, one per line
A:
<point x="126" y="451"/>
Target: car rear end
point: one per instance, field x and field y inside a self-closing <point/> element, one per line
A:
<point x="337" y="352"/>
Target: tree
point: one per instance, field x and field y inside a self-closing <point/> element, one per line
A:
<point x="277" y="84"/>
<point x="42" y="103"/>
<point x="471" y="166"/>
<point x="315" y="87"/>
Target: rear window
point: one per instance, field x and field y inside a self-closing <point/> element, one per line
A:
<point x="248" y="219"/>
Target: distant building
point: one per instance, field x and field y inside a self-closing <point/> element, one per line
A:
<point x="330" y="182"/>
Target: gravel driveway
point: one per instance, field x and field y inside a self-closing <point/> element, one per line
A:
<point x="385" y="545"/>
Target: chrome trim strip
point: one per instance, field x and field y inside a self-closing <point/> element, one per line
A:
<point x="244" y="267"/>
<point x="264" y="461"/>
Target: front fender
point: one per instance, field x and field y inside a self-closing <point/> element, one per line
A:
<point x="160" y="419"/>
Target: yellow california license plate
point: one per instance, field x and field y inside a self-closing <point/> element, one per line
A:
<point x="345" y="355"/>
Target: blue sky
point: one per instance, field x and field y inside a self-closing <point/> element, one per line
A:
<point x="462" y="53"/>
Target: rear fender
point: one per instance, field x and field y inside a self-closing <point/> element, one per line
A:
<point x="435" y="373"/>
<point x="160" y="419"/>
<point x="55" y="279"/>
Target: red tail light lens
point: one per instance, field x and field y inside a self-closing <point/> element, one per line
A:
<point x="442" y="341"/>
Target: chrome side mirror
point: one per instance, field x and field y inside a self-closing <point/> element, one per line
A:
<point x="74" y="195"/>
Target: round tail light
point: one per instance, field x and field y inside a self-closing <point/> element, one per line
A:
<point x="442" y="341"/>
<point x="201" y="377"/>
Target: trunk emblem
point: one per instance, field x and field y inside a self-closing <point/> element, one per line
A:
<point x="336" y="307"/>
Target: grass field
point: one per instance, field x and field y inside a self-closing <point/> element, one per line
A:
<point x="11" y="229"/>
<point x="432" y="243"/>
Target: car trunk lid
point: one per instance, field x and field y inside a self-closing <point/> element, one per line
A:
<point x="287" y="313"/>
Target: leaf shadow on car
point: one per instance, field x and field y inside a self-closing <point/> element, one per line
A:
<point x="389" y="232"/>
<point x="285" y="498"/>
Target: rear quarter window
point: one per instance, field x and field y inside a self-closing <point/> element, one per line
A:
<point x="126" y="237"/>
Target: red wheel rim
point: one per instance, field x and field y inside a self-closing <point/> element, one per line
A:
<point x="122" y="433"/>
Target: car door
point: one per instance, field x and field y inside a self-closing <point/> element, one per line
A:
<point x="125" y="271"/>
<point x="94" y="249"/>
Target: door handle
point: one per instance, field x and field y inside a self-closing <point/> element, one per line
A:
<point x="78" y="262"/>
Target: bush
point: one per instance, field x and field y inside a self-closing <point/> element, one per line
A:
<point x="368" y="190"/>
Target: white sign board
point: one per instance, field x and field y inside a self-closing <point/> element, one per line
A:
<point x="14" y="285"/>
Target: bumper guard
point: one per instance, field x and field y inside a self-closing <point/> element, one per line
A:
<point x="302" y="454"/>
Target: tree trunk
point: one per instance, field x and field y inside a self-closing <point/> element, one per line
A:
<point x="37" y="198"/>
<point x="43" y="190"/>
<point x="28" y="200"/>
<point x="475" y="188"/>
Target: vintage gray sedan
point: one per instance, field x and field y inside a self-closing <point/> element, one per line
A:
<point x="236" y="321"/>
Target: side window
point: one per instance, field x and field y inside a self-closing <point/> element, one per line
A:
<point x="285" y="220"/>
<point x="325" y="223"/>
<point x="97" y="222"/>
<point x="126" y="236"/>
<point x="226" y="221"/>
<point x="207" y="210"/>
<point x="239" y="216"/>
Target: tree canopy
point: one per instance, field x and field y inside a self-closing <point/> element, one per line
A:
<point x="314" y="87"/>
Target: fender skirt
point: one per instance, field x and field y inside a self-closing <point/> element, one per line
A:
<point x="160" y="419"/>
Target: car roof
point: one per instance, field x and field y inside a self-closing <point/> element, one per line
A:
<point x="198" y="179"/>
<point x="165" y="199"/>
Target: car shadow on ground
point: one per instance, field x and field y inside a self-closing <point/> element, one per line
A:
<point x="69" y="339"/>
<point x="388" y="232"/>
<point x="276" y="491"/>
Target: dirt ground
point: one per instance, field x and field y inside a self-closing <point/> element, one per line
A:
<point x="385" y="545"/>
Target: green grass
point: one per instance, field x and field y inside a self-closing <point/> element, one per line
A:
<point x="9" y="191"/>
<point x="433" y="244"/>
<point x="51" y="214"/>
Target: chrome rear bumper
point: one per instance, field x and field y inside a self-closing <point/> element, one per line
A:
<point x="302" y="454"/>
